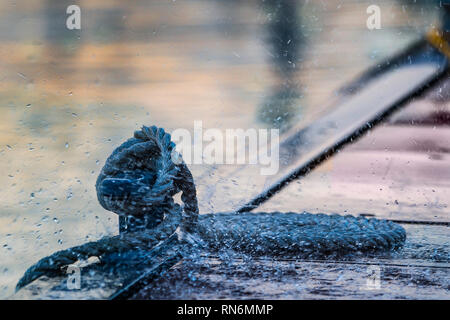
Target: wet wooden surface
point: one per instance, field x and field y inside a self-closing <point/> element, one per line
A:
<point x="412" y="273"/>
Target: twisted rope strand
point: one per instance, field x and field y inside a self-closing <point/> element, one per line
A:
<point x="142" y="240"/>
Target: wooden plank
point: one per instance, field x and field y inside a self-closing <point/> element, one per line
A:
<point x="300" y="280"/>
<point x="411" y="273"/>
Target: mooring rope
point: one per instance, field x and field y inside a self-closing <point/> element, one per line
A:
<point x="140" y="240"/>
<point x="139" y="181"/>
<point x="302" y="235"/>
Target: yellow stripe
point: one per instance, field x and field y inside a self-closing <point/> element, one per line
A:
<point x="436" y="39"/>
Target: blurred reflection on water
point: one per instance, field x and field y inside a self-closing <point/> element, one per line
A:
<point x="285" y="39"/>
<point x="69" y="97"/>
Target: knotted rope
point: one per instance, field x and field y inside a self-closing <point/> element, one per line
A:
<point x="139" y="180"/>
<point x="138" y="183"/>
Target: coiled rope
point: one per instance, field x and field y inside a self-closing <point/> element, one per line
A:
<point x="138" y="183"/>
